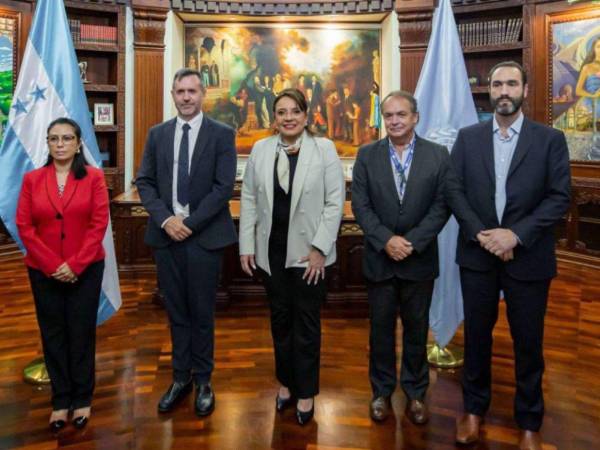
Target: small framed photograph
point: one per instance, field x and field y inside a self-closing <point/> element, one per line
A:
<point x="103" y="114"/>
<point x="241" y="168"/>
<point x="348" y="171"/>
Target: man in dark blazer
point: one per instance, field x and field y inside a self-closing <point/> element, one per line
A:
<point x="398" y="200"/>
<point x="185" y="182"/>
<point x="509" y="185"/>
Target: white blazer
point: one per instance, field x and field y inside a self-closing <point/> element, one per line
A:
<point x="317" y="204"/>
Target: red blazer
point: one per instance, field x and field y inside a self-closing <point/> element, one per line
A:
<point x="55" y="229"/>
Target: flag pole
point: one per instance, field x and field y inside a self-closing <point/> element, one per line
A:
<point x="49" y="86"/>
<point x="446" y="105"/>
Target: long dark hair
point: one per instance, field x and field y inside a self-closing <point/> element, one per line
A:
<point x="591" y="56"/>
<point x="79" y="162"/>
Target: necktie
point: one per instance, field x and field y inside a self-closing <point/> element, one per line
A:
<point x="183" y="175"/>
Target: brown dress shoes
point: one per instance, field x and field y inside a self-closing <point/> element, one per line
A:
<point x="380" y="408"/>
<point x="416" y="411"/>
<point x="467" y="429"/>
<point x="530" y="440"/>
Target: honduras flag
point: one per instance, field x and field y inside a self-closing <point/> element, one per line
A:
<point x="49" y="87"/>
<point x="445" y="105"/>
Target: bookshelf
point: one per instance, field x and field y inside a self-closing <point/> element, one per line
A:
<point x="490" y="32"/>
<point x="99" y="39"/>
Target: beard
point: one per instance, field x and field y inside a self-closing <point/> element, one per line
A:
<point x="506" y="110"/>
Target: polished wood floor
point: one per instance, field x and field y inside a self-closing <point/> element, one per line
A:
<point x="133" y="369"/>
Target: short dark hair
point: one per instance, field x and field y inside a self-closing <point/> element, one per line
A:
<point x="401" y="94"/>
<point x="513" y="64"/>
<point x="79" y="162"/>
<point x="185" y="72"/>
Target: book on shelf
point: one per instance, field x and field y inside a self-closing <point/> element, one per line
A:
<point x="85" y="33"/>
<point x="74" y="25"/>
<point x="490" y="32"/>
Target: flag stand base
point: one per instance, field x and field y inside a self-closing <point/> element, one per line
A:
<point x="449" y="357"/>
<point x="35" y="372"/>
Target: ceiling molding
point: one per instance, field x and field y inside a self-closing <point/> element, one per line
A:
<point x="282" y="7"/>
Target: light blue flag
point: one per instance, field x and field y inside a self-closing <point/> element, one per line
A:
<point x="445" y="105"/>
<point x="49" y="86"/>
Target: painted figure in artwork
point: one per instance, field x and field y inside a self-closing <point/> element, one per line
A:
<point x="333" y="108"/>
<point x="374" y="114"/>
<point x="588" y="85"/>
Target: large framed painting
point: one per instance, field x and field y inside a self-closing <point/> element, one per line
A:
<point x="245" y="66"/>
<point x="574" y="84"/>
<point x="9" y="23"/>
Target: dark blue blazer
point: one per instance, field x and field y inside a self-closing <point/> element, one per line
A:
<point x="537" y="196"/>
<point x="212" y="174"/>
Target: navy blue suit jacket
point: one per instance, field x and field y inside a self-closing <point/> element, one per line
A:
<point x="212" y="174"/>
<point x="537" y="196"/>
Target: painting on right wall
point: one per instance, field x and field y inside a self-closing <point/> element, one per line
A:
<point x="575" y="83"/>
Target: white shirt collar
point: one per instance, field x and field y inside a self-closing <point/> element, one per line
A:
<point x="195" y="123"/>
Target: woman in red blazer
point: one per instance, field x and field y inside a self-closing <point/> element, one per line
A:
<point x="62" y="217"/>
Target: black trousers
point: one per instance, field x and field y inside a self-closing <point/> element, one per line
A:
<point x="526" y="307"/>
<point x="188" y="275"/>
<point x="412" y="299"/>
<point x="66" y="314"/>
<point x="295" y="326"/>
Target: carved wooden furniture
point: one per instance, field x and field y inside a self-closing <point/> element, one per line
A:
<point x="347" y="288"/>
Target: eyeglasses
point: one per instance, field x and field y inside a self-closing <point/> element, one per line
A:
<point x="66" y="139"/>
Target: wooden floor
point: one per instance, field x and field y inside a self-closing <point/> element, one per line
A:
<point x="133" y="369"/>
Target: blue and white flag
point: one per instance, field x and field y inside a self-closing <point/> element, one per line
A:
<point x="445" y="105"/>
<point x="49" y="87"/>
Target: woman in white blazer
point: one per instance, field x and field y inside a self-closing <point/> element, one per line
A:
<point x="292" y="204"/>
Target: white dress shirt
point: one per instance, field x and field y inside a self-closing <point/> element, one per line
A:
<point x="195" y="124"/>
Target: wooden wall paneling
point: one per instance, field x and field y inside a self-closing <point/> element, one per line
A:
<point x="129" y="224"/>
<point x="120" y="104"/>
<point x="414" y="29"/>
<point x="149" y="32"/>
<point x="414" y="5"/>
<point x="527" y="60"/>
<point x="578" y="239"/>
<point x="411" y="62"/>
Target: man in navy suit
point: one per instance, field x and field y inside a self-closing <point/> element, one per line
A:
<point x="185" y="182"/>
<point x="509" y="187"/>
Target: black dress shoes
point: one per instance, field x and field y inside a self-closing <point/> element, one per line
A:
<point x="176" y="392"/>
<point x="303" y="417"/>
<point x="57" y="425"/>
<point x="282" y="403"/>
<point x="205" y="400"/>
<point x="80" y="422"/>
